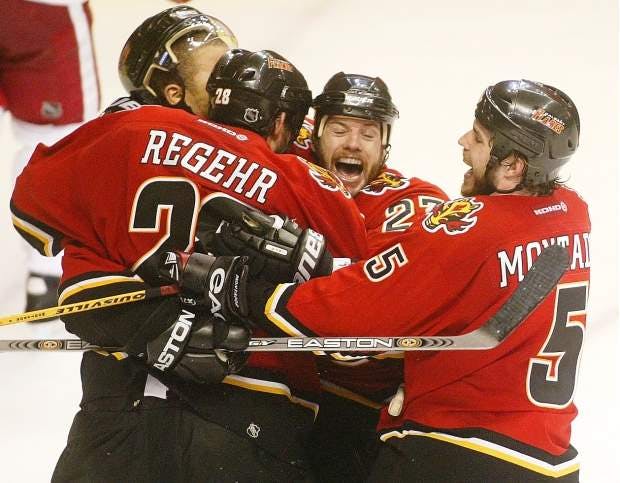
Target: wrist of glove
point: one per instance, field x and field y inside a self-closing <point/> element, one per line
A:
<point x="278" y="250"/>
<point x="219" y="283"/>
<point x="198" y="347"/>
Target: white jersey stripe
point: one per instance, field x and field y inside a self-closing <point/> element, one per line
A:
<point x="88" y="72"/>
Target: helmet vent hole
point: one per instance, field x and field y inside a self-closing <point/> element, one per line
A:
<point x="571" y="144"/>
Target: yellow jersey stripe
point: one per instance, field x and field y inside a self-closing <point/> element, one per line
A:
<point x="94" y="283"/>
<point x="495" y="450"/>
<point x="271" y="388"/>
<point x="45" y="239"/>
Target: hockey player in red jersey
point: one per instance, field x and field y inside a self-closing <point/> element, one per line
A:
<point x="497" y="415"/>
<point x="167" y="60"/>
<point x="350" y="136"/>
<point x="116" y="194"/>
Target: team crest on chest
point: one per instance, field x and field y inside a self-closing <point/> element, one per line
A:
<point x="325" y="178"/>
<point x="454" y="216"/>
<point x="385" y="181"/>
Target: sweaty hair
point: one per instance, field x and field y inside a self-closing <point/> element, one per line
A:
<point x="538" y="189"/>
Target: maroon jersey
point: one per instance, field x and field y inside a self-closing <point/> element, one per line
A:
<point x="129" y="185"/>
<point x="449" y="274"/>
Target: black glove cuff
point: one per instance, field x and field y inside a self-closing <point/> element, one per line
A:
<point x="166" y="350"/>
<point x="259" y="291"/>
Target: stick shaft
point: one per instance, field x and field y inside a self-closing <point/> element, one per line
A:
<point x="540" y="280"/>
<point x="94" y="304"/>
<point x="469" y="341"/>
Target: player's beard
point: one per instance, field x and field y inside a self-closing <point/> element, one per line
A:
<point x="482" y="185"/>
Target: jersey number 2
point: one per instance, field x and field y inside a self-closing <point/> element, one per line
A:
<point x="179" y="198"/>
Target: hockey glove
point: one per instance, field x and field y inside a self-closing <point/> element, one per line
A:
<point x="278" y="250"/>
<point x="196" y="348"/>
<point x="218" y="282"/>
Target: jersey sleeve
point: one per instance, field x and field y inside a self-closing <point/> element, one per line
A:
<point x="433" y="279"/>
<point x="399" y="291"/>
<point x="88" y="276"/>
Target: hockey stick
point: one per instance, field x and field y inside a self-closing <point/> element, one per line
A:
<point x="104" y="302"/>
<point x="539" y="281"/>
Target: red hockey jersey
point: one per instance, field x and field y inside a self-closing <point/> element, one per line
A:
<point x="129" y="185"/>
<point x="449" y="274"/>
<point x="389" y="204"/>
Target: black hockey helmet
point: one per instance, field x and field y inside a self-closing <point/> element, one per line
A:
<point x="537" y="120"/>
<point x="149" y="47"/>
<point x="249" y="89"/>
<point x="356" y="95"/>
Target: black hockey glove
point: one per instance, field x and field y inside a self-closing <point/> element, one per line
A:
<point x="196" y="348"/>
<point x="278" y="250"/>
<point x="219" y="283"/>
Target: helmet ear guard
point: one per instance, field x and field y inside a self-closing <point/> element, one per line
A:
<point x="537" y="120"/>
<point x="149" y="48"/>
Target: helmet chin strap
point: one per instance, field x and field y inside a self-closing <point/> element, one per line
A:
<point x="181" y="104"/>
<point x="507" y="192"/>
<point x="386" y="152"/>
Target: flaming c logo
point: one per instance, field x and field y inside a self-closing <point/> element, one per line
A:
<point x="304" y="137"/>
<point x="326" y="178"/>
<point x="454" y="216"/>
<point x="385" y="181"/>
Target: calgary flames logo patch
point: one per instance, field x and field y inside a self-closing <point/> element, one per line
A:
<point x="304" y="138"/>
<point x="326" y="178"/>
<point x="385" y="181"/>
<point x="454" y="216"/>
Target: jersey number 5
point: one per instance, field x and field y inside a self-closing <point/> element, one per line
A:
<point x="383" y="265"/>
<point x="552" y="373"/>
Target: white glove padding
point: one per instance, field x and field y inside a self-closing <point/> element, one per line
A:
<point x="196" y="348"/>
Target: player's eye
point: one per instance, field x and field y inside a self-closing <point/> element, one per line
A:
<point x="338" y="131"/>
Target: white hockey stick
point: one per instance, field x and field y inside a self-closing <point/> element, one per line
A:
<point x="539" y="281"/>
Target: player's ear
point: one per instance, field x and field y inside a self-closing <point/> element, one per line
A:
<point x="515" y="164"/>
<point x="280" y="135"/>
<point x="173" y="93"/>
<point x="279" y="125"/>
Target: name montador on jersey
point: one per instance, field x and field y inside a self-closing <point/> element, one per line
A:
<point x="212" y="163"/>
<point x="518" y="260"/>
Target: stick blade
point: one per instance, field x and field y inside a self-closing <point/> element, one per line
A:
<point x="538" y="282"/>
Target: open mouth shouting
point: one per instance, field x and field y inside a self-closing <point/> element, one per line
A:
<point x="349" y="170"/>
